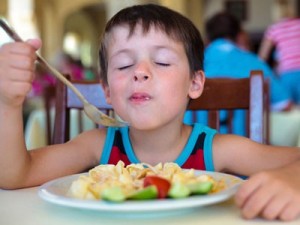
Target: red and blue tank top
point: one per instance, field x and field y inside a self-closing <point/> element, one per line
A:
<point x="196" y="154"/>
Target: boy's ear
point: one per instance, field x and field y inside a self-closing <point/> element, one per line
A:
<point x="197" y="84"/>
<point x="106" y="93"/>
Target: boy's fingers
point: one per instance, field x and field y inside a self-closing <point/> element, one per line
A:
<point x="245" y="191"/>
<point x="35" y="43"/>
<point x="262" y="195"/>
<point x="22" y="75"/>
<point x="252" y="196"/>
<point x="275" y="207"/>
<point x="290" y="212"/>
<point x="256" y="202"/>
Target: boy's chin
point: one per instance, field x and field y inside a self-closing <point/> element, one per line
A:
<point x="142" y="125"/>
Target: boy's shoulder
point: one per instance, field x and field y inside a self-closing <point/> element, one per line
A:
<point x="92" y="140"/>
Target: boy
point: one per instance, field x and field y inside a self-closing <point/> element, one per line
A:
<point x="151" y="61"/>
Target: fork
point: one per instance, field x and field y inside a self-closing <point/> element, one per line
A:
<point x="90" y="110"/>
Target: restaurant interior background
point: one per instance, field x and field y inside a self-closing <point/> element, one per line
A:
<point x="74" y="27"/>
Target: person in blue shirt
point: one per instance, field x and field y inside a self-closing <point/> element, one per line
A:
<point x="226" y="57"/>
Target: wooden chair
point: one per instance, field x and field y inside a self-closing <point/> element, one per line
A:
<point x="248" y="94"/>
<point x="267" y="111"/>
<point x="67" y="100"/>
<point x="49" y="94"/>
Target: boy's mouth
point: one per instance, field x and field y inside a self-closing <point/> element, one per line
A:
<point x="139" y="97"/>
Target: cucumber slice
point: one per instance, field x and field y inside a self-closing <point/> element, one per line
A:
<point x="179" y="190"/>
<point x="146" y="193"/>
<point x="114" y="194"/>
<point x="200" y="188"/>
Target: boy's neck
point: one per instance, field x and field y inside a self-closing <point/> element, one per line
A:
<point x="162" y="145"/>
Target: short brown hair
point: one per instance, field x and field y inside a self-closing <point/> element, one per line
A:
<point x="172" y="23"/>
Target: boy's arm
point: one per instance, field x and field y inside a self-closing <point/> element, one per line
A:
<point x="272" y="194"/>
<point x="273" y="188"/>
<point x="14" y="158"/>
<point x="19" y="167"/>
<point x="76" y="156"/>
<point x="250" y="157"/>
<point x="16" y="75"/>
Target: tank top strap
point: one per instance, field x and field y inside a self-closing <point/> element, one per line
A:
<point x="117" y="138"/>
<point x="201" y="139"/>
<point x="109" y="140"/>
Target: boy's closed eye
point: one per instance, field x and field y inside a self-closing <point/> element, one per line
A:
<point x="124" y="67"/>
<point x="163" y="64"/>
<point x="157" y="63"/>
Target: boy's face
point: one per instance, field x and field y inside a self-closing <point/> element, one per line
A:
<point x="149" y="80"/>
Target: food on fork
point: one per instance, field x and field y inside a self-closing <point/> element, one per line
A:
<point x="141" y="182"/>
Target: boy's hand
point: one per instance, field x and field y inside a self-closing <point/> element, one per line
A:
<point x="271" y="194"/>
<point x="17" y="71"/>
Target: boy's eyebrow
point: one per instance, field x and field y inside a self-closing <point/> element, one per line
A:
<point x="170" y="48"/>
<point x="157" y="47"/>
<point x="126" y="50"/>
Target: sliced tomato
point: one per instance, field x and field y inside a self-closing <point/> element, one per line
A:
<point x="162" y="185"/>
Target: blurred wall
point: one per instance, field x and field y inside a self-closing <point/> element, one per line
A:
<point x="87" y="18"/>
<point x="3" y="8"/>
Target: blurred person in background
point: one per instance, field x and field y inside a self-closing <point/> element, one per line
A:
<point x="226" y="55"/>
<point x="66" y="64"/>
<point x="284" y="35"/>
<point x="74" y="67"/>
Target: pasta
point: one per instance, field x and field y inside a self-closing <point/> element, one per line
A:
<point x="130" y="179"/>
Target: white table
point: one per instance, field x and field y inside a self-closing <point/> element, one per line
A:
<point x="25" y="207"/>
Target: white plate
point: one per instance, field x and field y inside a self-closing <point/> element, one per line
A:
<point x="55" y="192"/>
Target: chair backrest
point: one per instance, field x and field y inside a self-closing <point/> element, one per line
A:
<point x="67" y="100"/>
<point x="49" y="94"/>
<point x="230" y="94"/>
<point x="249" y="94"/>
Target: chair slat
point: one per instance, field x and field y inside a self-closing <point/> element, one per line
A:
<point x="249" y="94"/>
<point x="92" y="91"/>
<point x="256" y="114"/>
<point x="223" y="93"/>
<point x="66" y="100"/>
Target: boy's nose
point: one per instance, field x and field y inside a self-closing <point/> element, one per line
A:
<point x="140" y="77"/>
<point x="142" y="71"/>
